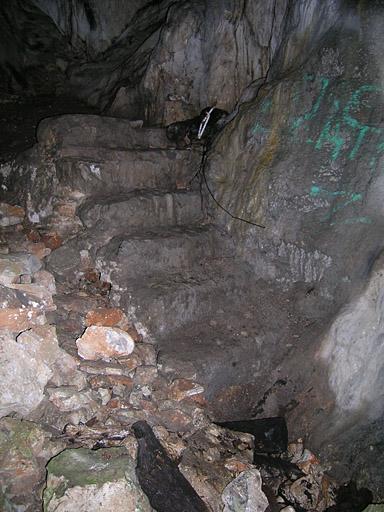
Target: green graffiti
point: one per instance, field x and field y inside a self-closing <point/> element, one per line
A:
<point x="344" y="197"/>
<point x="315" y="108"/>
<point x="341" y="123"/>
<point x="355" y="220"/>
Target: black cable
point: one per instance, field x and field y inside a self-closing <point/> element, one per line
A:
<point x="203" y="177"/>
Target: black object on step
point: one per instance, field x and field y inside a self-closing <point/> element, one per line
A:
<point x="167" y="489"/>
<point x="185" y="132"/>
<point x="351" y="499"/>
<point x="271" y="434"/>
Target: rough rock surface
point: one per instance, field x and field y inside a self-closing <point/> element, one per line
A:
<point x="305" y="160"/>
<point x="82" y="479"/>
<point x="25" y="448"/>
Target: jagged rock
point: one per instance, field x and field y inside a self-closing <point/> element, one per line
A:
<point x="98" y="480"/>
<point x="99" y="342"/>
<point x="374" y="508"/>
<point x="183" y="388"/>
<point x="12" y="266"/>
<point x="244" y="493"/>
<point x="27" y="364"/>
<point x="11" y="215"/>
<point x="25" y="448"/>
<point x="271" y="434"/>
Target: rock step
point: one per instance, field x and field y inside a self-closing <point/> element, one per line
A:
<point x="167" y="301"/>
<point x="167" y="249"/>
<point x="212" y="352"/>
<point x="99" y="131"/>
<point x="96" y="170"/>
<point x="141" y="209"/>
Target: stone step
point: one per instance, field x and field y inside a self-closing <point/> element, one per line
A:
<point x="100" y="131"/>
<point x="160" y="250"/>
<point x="165" y="302"/>
<point x="100" y="171"/>
<point x="142" y="210"/>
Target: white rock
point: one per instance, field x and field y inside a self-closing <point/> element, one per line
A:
<point x="99" y="342"/>
<point x="113" y="496"/>
<point x="244" y="493"/>
<point x="26" y="365"/>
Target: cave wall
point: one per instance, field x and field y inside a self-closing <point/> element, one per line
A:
<point x="305" y="159"/>
<point x="158" y="61"/>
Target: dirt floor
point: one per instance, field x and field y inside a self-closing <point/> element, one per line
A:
<point x="20" y="115"/>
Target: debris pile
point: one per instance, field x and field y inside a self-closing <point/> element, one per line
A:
<point x="81" y="393"/>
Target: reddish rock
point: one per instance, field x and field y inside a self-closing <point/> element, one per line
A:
<point x="52" y="240"/>
<point x="19" y="319"/>
<point x="183" y="388"/>
<point x="175" y="420"/>
<point x="108" y="317"/>
<point x="99" y="342"/>
<point x="38" y="249"/>
<point x="130" y="363"/>
<point x="33" y="235"/>
<point x="109" y="381"/>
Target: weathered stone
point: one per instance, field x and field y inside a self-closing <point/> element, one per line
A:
<point x="38" y="249"/>
<point x="52" y="240"/>
<point x="111" y="381"/>
<point x="11" y="215"/>
<point x="66" y="372"/>
<point x="146" y="352"/>
<point x="21" y="319"/>
<point x="145" y="375"/>
<point x="104" y="343"/>
<point x="183" y="388"/>
<point x="25" y="448"/>
<point x="107" y="317"/>
<point x="244" y="493"/>
<point x="175" y="420"/>
<point x="45" y="279"/>
<point x="36" y="295"/>
<point x="12" y="266"/>
<point x="26" y="366"/>
<point x="99" y="480"/>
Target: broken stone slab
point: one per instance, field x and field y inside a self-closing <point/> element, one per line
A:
<point x="26" y="365"/>
<point x="25" y="448"/>
<point x="97" y="480"/>
<point x="100" y="342"/>
<point x="35" y="295"/>
<point x="12" y="266"/>
<point x="45" y="279"/>
<point x="159" y="477"/>
<point x="17" y="320"/>
<point x="11" y="215"/>
<point x="271" y="434"/>
<point x="244" y="493"/>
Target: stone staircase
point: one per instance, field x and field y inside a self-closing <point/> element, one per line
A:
<point x="146" y="229"/>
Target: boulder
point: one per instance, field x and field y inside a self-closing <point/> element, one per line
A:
<point x="83" y="479"/>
